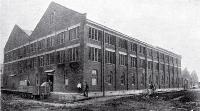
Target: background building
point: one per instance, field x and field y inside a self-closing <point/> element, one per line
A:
<point x="66" y="48"/>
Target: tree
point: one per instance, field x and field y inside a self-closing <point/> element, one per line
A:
<point x="194" y="77"/>
<point x="186" y="76"/>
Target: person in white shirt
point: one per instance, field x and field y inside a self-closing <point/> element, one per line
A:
<point x="79" y="87"/>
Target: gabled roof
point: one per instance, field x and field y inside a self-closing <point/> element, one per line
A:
<point x="63" y="17"/>
<point x="17" y="38"/>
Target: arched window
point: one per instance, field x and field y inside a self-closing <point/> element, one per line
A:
<point x="94" y="77"/>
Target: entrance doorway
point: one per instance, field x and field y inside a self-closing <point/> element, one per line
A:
<point x="50" y="80"/>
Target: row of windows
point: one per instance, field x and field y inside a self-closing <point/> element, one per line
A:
<point x="96" y="34"/>
<point x="69" y="55"/>
<point x="110" y="77"/>
<point x="42" y="44"/>
<point x="60" y="57"/>
<point x="95" y="55"/>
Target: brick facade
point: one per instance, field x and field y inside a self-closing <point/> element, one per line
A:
<point x="90" y="52"/>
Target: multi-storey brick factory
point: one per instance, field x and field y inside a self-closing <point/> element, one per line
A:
<point x="66" y="48"/>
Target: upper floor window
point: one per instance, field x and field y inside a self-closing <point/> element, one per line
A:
<point x="110" y="39"/>
<point x="110" y="57"/>
<point x="41" y="60"/>
<point x="74" y="33"/>
<point x="95" y="34"/>
<point x="61" y="56"/>
<point x="142" y="50"/>
<point x="123" y="43"/>
<point x="60" y="38"/>
<point x="52" y="18"/>
<point x="94" y="54"/>
<point x="73" y="54"/>
<point x="134" y="47"/>
<point x="122" y="59"/>
<point x="149" y="52"/>
<point x="150" y="65"/>
<point x="133" y="61"/>
<point x="142" y="63"/>
<point x="40" y="44"/>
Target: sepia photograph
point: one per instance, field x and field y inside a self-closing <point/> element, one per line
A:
<point x="100" y="55"/>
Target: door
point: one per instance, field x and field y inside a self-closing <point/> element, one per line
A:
<point x="50" y="80"/>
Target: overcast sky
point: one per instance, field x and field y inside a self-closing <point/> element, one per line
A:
<point x="170" y="24"/>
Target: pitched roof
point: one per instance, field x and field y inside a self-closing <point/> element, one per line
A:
<point x="16" y="38"/>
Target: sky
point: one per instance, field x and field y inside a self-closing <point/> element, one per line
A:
<point x="171" y="24"/>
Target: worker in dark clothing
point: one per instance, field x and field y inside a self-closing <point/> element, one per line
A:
<point x="86" y="89"/>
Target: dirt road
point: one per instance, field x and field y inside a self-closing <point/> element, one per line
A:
<point x="160" y="101"/>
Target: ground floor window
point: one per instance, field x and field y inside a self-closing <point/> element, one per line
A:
<point x="133" y="78"/>
<point x="109" y="77"/>
<point x="94" y="77"/>
<point x="122" y="78"/>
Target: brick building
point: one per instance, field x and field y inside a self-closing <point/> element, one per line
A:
<point x="66" y="48"/>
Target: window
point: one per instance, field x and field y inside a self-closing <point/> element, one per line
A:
<point x="157" y="79"/>
<point x="47" y="59"/>
<point x="122" y="79"/>
<point x="122" y="59"/>
<point x="95" y="34"/>
<point x="142" y="77"/>
<point x="142" y="63"/>
<point x="133" y="78"/>
<point x="74" y="33"/>
<point x="157" y="66"/>
<point x="110" y="39"/>
<point x="123" y="43"/>
<point x="61" y="56"/>
<point x="162" y="80"/>
<point x="140" y="51"/>
<point x="150" y="80"/>
<point x="110" y="57"/>
<point x="40" y="45"/>
<point x="94" y="77"/>
<point x="73" y="54"/>
<point x="51" y="20"/>
<point x="41" y="60"/>
<point x="133" y="62"/>
<point x="149" y="52"/>
<point x="60" y="38"/>
<point x="94" y="54"/>
<point x="109" y="78"/>
<point x="52" y="58"/>
<point x="134" y="47"/>
<point x="150" y="65"/>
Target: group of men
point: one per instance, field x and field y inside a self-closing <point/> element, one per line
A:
<point x="85" y="88"/>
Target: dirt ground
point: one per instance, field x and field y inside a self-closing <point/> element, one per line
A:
<point x="172" y="101"/>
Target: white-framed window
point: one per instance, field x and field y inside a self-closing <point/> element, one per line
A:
<point x="95" y="34"/>
<point x="94" y="77"/>
<point x="74" y="33"/>
<point x="94" y="54"/>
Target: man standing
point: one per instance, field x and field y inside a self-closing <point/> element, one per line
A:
<point x="79" y="87"/>
<point x="86" y="89"/>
